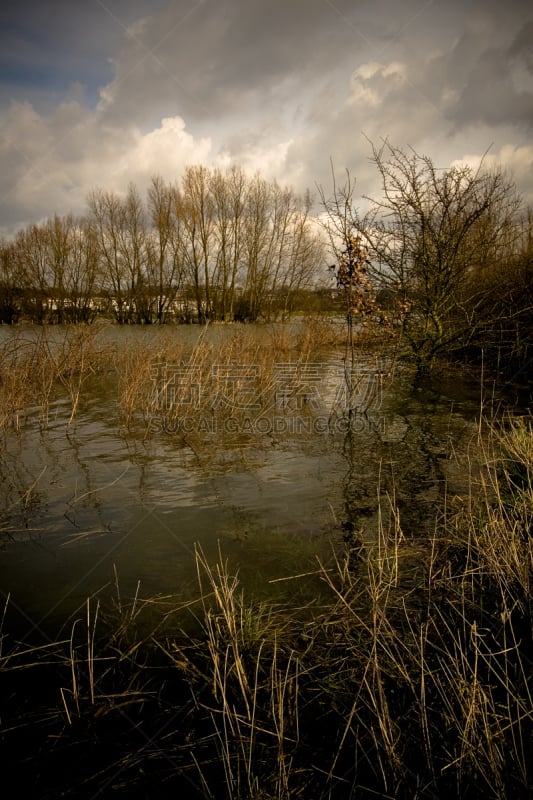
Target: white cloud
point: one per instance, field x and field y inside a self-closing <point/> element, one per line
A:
<point x="516" y="161"/>
<point x="51" y="163"/>
<point x="372" y="82"/>
<point x="137" y="28"/>
<point x="269" y="89"/>
<point x="165" y="150"/>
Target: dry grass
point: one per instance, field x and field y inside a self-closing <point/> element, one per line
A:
<point x="37" y="367"/>
<point x="418" y="690"/>
<point x="396" y="687"/>
<point x="206" y="383"/>
<point x="392" y="688"/>
<point x="157" y="376"/>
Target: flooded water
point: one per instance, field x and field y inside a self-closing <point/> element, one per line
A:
<point x="85" y="504"/>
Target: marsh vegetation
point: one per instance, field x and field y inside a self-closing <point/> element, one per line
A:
<point x="277" y="560"/>
<point x="385" y="647"/>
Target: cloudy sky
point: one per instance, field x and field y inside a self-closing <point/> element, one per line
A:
<point x="100" y="93"/>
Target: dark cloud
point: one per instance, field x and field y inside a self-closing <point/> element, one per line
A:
<point x="495" y="85"/>
<point x="279" y="86"/>
<point x="220" y="58"/>
<point x="46" y="46"/>
<point x="521" y="48"/>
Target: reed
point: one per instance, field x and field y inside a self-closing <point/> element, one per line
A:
<point x="397" y="685"/>
<point x="37" y="366"/>
<point x="198" y="388"/>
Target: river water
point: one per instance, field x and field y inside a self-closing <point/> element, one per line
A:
<point x="90" y="504"/>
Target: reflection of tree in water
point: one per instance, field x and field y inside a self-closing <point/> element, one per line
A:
<point x="403" y="474"/>
<point x="21" y="501"/>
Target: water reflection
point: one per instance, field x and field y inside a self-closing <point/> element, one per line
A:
<point x="84" y="501"/>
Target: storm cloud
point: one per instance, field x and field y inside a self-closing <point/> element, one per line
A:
<point x="105" y="93"/>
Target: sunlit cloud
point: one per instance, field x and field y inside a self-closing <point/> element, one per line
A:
<point x="143" y="89"/>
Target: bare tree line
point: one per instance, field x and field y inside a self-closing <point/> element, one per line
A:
<point x="443" y="255"/>
<point x="218" y="245"/>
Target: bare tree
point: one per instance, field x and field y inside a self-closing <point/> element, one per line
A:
<point x="198" y="214"/>
<point x="229" y="191"/>
<point x="105" y="211"/>
<point x="257" y="244"/>
<point x="122" y="237"/>
<point x="82" y="275"/>
<point x="164" y="250"/>
<point x="431" y="236"/>
<point x="11" y="283"/>
<point x="132" y="244"/>
<point x="57" y="255"/>
<point x="33" y="268"/>
<point x="433" y="233"/>
<point x="303" y="257"/>
<point x="504" y="293"/>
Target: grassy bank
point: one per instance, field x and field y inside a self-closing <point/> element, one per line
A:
<point x="412" y="679"/>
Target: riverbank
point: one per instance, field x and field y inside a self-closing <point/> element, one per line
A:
<point x="206" y="594"/>
<point x="411" y="677"/>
